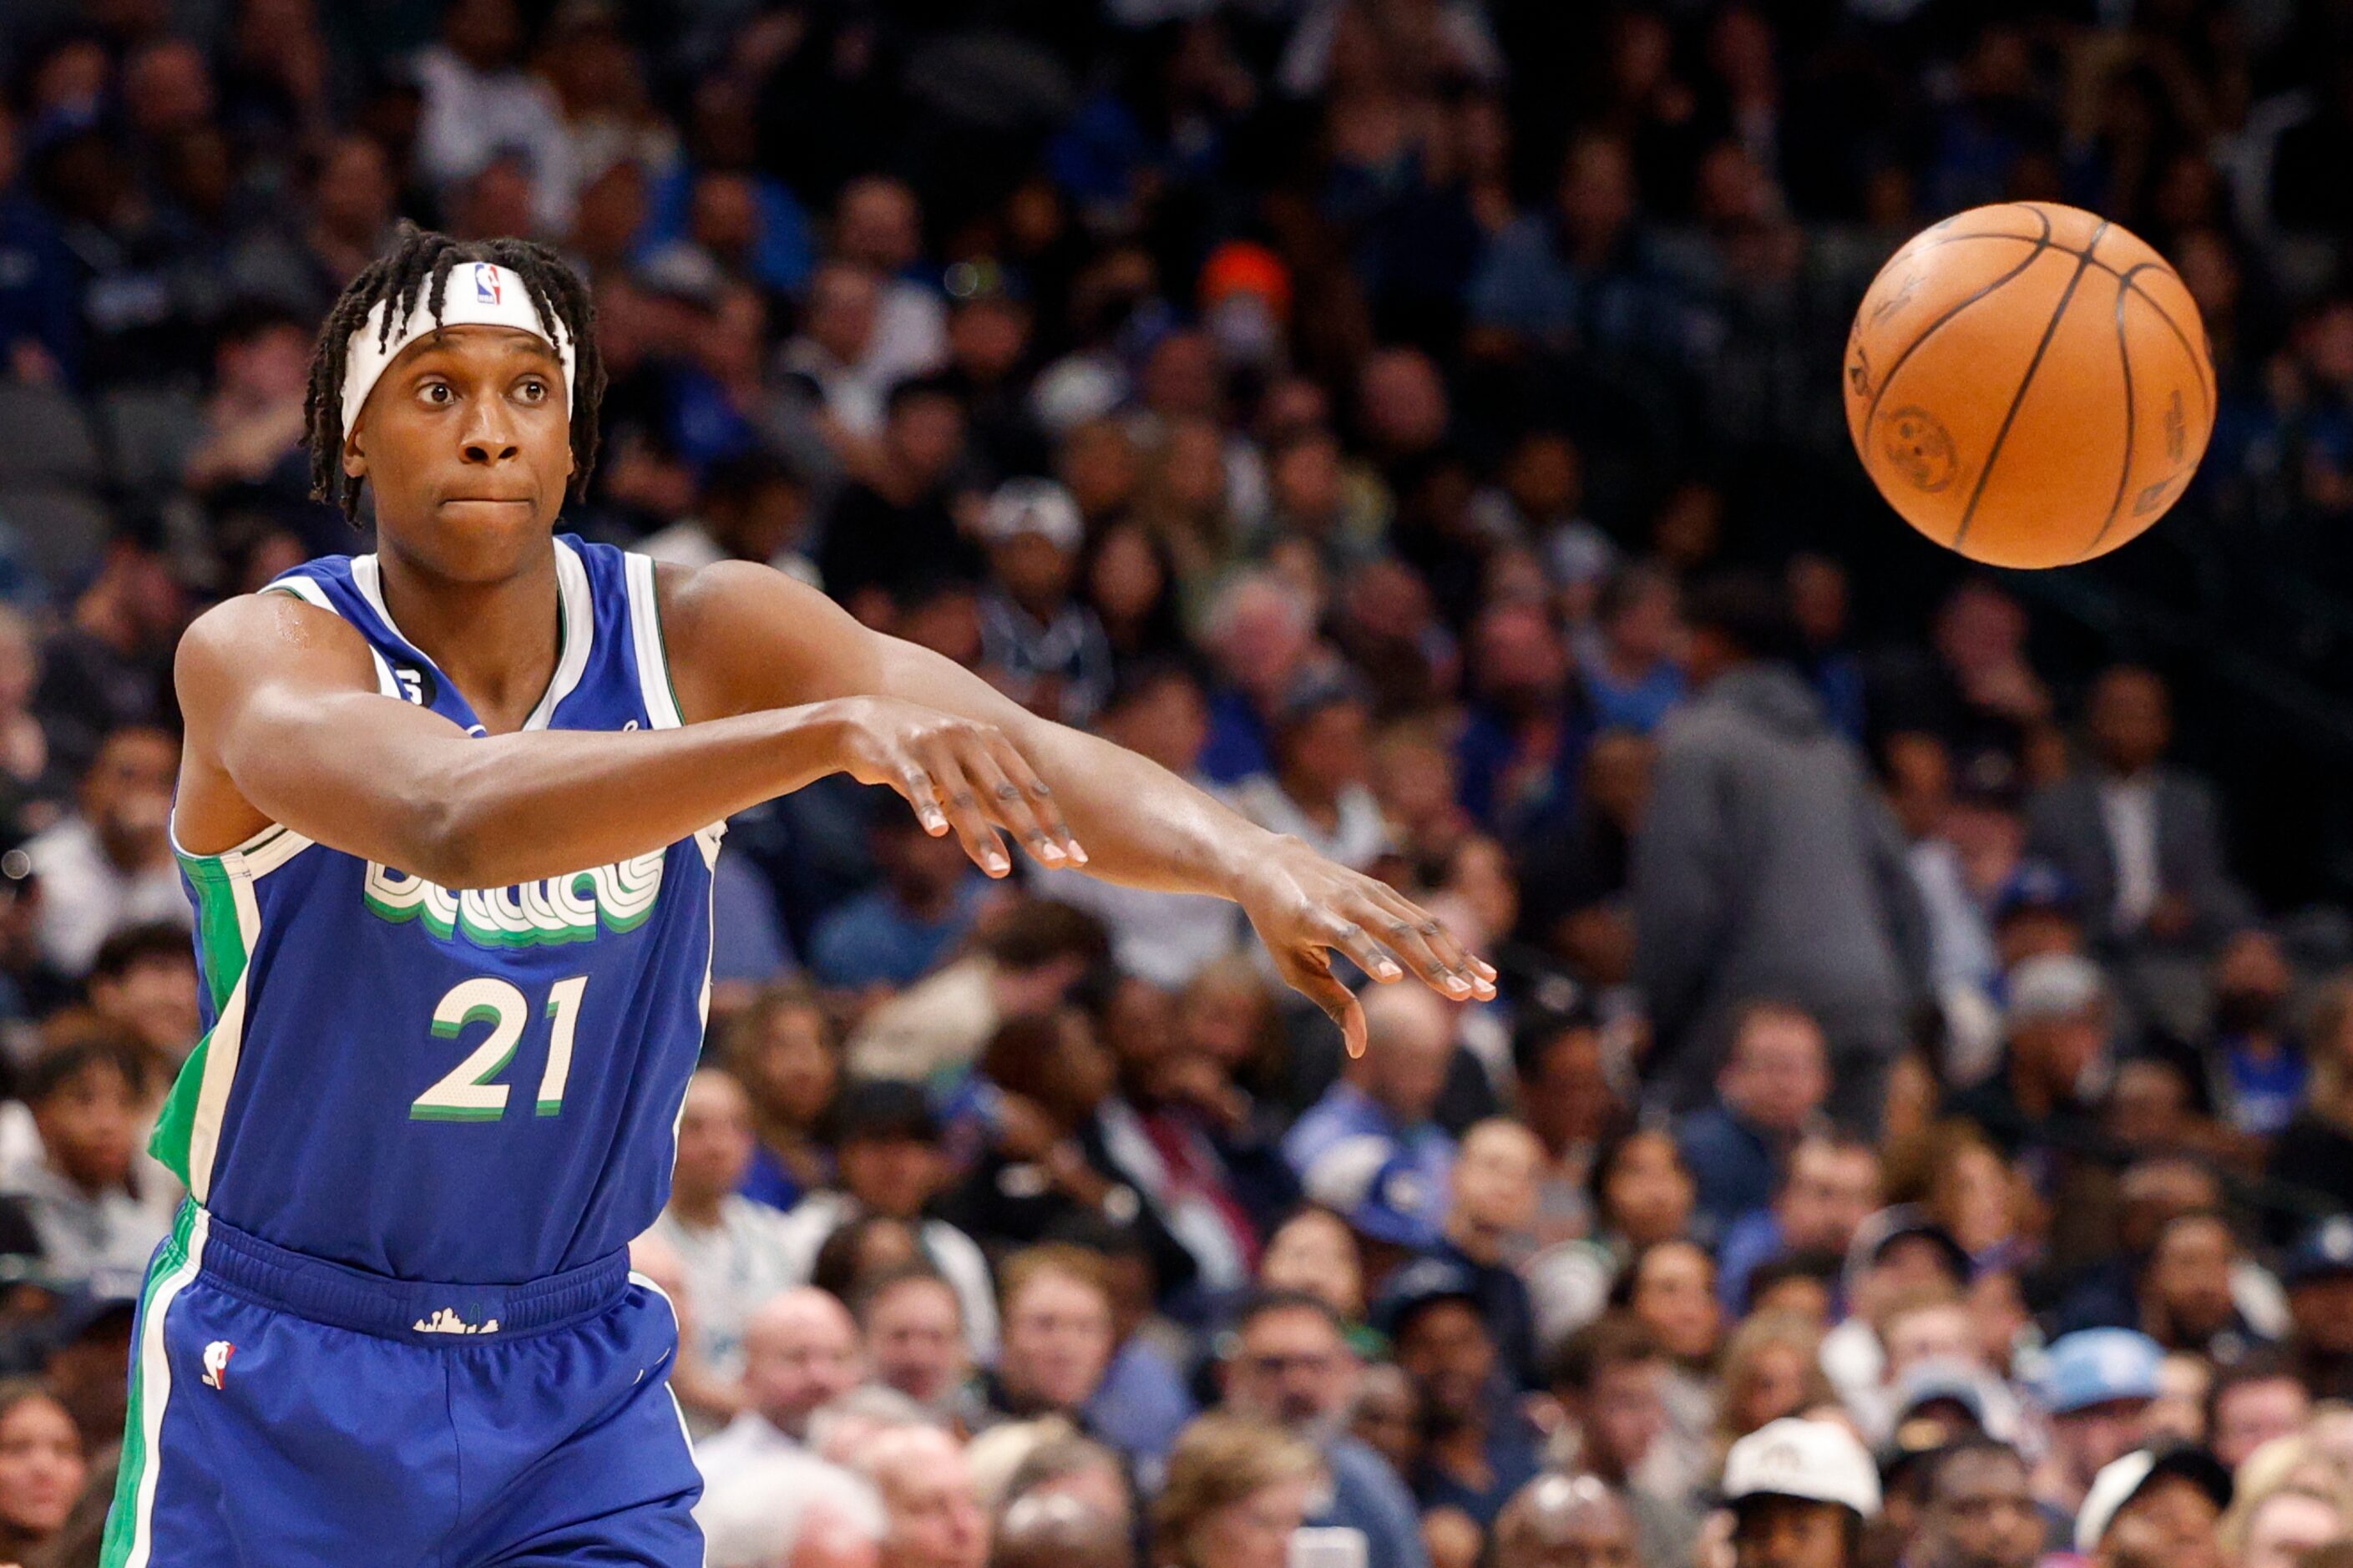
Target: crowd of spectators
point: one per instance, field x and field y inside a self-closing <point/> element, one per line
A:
<point x="1917" y="1126"/>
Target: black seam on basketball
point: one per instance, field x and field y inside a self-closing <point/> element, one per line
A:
<point x="2198" y="361"/>
<point x="2049" y="329"/>
<point x="1929" y="331"/>
<point x="2124" y="472"/>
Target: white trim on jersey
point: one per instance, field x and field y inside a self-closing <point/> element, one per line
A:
<point x="155" y="1389"/>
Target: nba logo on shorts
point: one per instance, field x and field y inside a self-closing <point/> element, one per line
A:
<point x="216" y="1356"/>
<point x="486" y="283"/>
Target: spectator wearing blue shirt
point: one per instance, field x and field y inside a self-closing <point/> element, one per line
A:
<point x="1831" y="1184"/>
<point x="783" y="1049"/>
<point x="1288" y="1364"/>
<point x="1771" y="1085"/>
<point x="1383" y="1103"/>
<point x="895" y="934"/>
<point x="1480" y="1449"/>
<point x="1626" y="659"/>
<point x="1262" y="630"/>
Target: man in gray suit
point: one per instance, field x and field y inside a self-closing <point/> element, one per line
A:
<point x="2140" y="840"/>
<point x="1768" y="866"/>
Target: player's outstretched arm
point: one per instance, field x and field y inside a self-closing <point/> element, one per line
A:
<point x="285" y="725"/>
<point x="744" y="638"/>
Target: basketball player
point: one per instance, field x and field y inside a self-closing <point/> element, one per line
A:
<point x="447" y="814"/>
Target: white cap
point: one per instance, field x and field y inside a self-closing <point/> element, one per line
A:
<point x="2121" y="1480"/>
<point x="1820" y="1461"/>
<point x="1034" y="506"/>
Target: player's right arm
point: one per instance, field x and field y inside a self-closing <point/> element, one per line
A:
<point x="285" y="723"/>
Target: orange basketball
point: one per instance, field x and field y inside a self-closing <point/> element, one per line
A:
<point x="2029" y="384"/>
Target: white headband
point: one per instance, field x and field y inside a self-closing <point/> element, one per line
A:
<point x="478" y="294"/>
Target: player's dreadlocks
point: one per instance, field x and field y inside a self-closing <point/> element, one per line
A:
<point x="419" y="263"/>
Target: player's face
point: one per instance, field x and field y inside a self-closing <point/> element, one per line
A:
<point x="467" y="443"/>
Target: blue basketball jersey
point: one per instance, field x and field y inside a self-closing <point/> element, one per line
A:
<point x="477" y="1086"/>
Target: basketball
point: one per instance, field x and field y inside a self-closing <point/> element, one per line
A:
<point x="2029" y="384"/>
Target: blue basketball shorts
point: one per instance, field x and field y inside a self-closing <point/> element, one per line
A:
<point x="285" y="1410"/>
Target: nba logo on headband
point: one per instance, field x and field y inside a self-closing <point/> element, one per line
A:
<point x="486" y="283"/>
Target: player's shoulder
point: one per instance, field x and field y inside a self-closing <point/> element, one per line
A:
<point x="248" y="633"/>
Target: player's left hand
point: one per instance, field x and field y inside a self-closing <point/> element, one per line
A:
<point x="1305" y="908"/>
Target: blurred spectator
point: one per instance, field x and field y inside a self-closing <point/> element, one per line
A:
<point x="1058" y="1333"/>
<point x="1023" y="964"/>
<point x="1319" y="788"/>
<point x="1976" y="1510"/>
<point x="930" y="1519"/>
<point x="781" y="1049"/>
<point x="1045" y="648"/>
<point x="96" y="1224"/>
<point x="2097" y="1386"/>
<point x="143" y="982"/>
<point x="478" y="103"/>
<point x="1800" y="1492"/>
<point x="42" y="1469"/>
<point x="1289" y="1364"/>
<point x="1479" y="1449"/>
<point x="1824" y="914"/>
<point x="789" y="1509"/>
<point x="1487" y="1221"/>
<point x="889" y="1166"/>
<point x="752" y="507"/>
<point x="2156" y="1505"/>
<point x="1235" y="1492"/>
<point x="912" y="1324"/>
<point x="1774" y="1076"/>
<point x="1609" y="1382"/>
<point x="735" y="1254"/>
<point x="2251" y="1404"/>
<point x="800" y="1353"/>
<point x="1565" y="1521"/>
<point x="110" y="864"/>
<point x="1627" y="665"/>
<point x="929" y="897"/>
<point x="2140" y="839"/>
<point x="1051" y="1531"/>
<point x="1381" y="1106"/>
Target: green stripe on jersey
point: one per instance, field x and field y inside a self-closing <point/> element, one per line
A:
<point x="223" y="940"/>
<point x="123" y="1518"/>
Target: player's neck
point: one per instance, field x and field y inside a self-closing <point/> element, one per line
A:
<point x="498" y="641"/>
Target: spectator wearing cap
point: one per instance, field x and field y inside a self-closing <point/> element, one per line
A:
<point x="1381" y="1106"/>
<point x="2317" y="1273"/>
<point x="2058" y="1023"/>
<point x="2155" y="1508"/>
<point x="1774" y="1076"/>
<point x="1320" y="789"/>
<point x="734" y="1253"/>
<point x="2098" y="1386"/>
<point x="890" y="1164"/>
<point x="1041" y="645"/>
<point x="2142" y="840"/>
<point x="1976" y="1508"/>
<point x="1897" y="1255"/>
<point x="1479" y="1448"/>
<point x="1800" y="1492"/>
<point x="1565" y="1521"/>
<point x="2037" y="911"/>
<point x="1750" y="774"/>
<point x="1287" y="1361"/>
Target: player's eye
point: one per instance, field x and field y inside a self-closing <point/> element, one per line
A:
<point x="439" y="394"/>
<point x="534" y="391"/>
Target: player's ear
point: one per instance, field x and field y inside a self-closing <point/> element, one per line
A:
<point x="355" y="459"/>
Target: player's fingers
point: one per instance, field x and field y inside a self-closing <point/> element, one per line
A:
<point x="961" y="803"/>
<point x="914" y="784"/>
<point x="1008" y="804"/>
<point x="1346" y="935"/>
<point x="1478" y="978"/>
<point x="1310" y="974"/>
<point x="1416" y="939"/>
<point x="1043" y="804"/>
